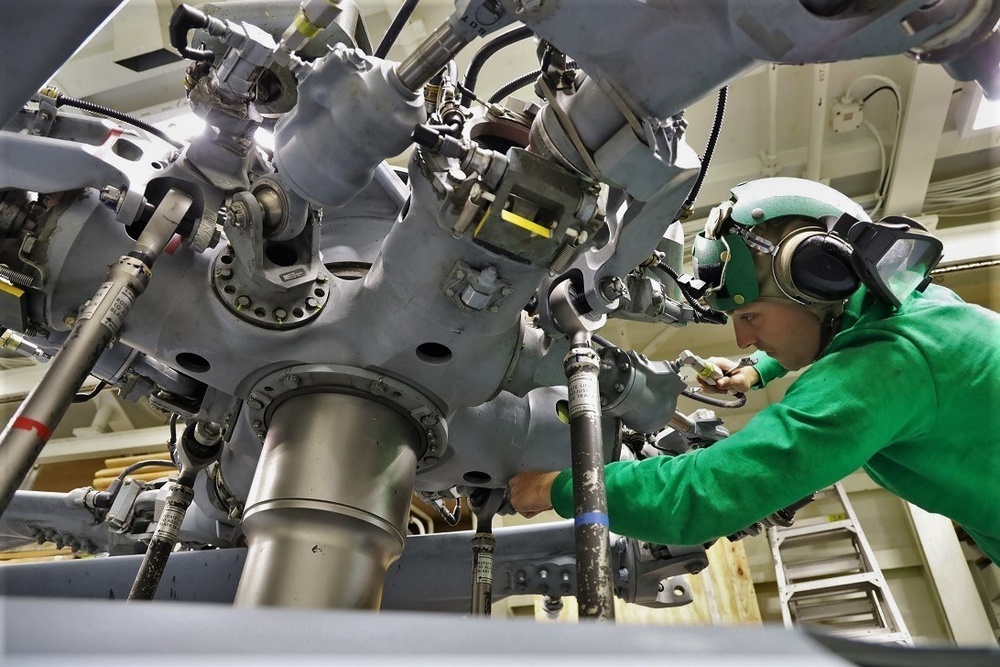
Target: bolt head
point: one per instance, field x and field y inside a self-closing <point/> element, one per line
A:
<point x="280" y="314"/>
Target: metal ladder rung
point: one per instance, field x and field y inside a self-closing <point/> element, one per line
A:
<point x="845" y="525"/>
<point x="842" y="583"/>
<point x="831" y="581"/>
<point x="847" y="608"/>
<point x="824" y="567"/>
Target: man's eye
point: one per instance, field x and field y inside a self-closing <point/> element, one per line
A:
<point x="748" y="318"/>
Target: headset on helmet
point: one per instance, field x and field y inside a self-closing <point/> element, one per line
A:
<point x="822" y="247"/>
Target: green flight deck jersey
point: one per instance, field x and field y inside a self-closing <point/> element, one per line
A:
<point x="911" y="396"/>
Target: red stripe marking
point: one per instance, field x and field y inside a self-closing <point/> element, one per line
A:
<point x="26" y="424"/>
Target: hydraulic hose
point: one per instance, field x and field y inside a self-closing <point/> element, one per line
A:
<point x="200" y="446"/>
<point x="98" y="324"/>
<point x="396" y="27"/>
<point x="179" y="497"/>
<point x="590" y="504"/>
<point x="737" y="402"/>
<point x="485" y="53"/>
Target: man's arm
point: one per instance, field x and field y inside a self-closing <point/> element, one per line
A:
<point x="826" y="428"/>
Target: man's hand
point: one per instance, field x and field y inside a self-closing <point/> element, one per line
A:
<point x="742" y="378"/>
<point x="529" y="492"/>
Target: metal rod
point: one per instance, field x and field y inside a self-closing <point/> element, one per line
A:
<point x="590" y="504"/>
<point x="167" y="533"/>
<point x="428" y="59"/>
<point x="98" y="325"/>
<point x="483" y="547"/>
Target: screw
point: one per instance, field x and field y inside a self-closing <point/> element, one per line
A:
<point x="224" y="274"/>
<point x="312" y="303"/>
<point x="693" y="568"/>
<point x="254" y="404"/>
<point x="291" y="380"/>
<point x="321" y="279"/>
<point x="378" y="388"/>
<point x="243" y="301"/>
<point x="506" y="291"/>
<point x="619" y="386"/>
<point x="459" y="274"/>
<point x="494" y="309"/>
<point x="69" y="320"/>
<point x="280" y="314"/>
<point x="429" y="419"/>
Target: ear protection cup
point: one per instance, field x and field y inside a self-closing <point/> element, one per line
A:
<point x="813" y="266"/>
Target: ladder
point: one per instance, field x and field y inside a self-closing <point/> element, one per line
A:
<point x="828" y="579"/>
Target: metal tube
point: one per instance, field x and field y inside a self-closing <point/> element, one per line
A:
<point x="483" y="546"/>
<point x="428" y="59"/>
<point x="327" y="510"/>
<point x="98" y="324"/>
<point x="590" y="504"/>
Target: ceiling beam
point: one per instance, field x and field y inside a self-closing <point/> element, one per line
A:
<point x="922" y="125"/>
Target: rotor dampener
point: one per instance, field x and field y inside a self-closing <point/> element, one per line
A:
<point x="282" y="309"/>
<point x="278" y="386"/>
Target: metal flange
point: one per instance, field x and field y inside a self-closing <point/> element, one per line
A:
<point x="278" y="386"/>
<point x="270" y="309"/>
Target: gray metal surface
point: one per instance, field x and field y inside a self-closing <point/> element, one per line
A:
<point x="208" y="633"/>
<point x="321" y="533"/>
<point x="37" y="40"/>
<point x="434" y="572"/>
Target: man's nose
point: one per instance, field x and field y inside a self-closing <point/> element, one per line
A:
<point x="744" y="338"/>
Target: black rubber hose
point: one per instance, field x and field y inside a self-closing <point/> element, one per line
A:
<point x="713" y="138"/>
<point x="709" y="315"/>
<point x="602" y="341"/>
<point x="115" y="486"/>
<point x="187" y="18"/>
<point x="63" y="100"/>
<point x="695" y="395"/>
<point x="83" y="398"/>
<point x="396" y="27"/>
<point x="517" y="84"/>
<point x="485" y="53"/>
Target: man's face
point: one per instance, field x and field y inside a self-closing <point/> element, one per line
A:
<point x="784" y="330"/>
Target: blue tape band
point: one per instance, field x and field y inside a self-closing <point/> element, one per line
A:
<point x="591" y="517"/>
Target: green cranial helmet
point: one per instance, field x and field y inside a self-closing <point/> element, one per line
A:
<point x="735" y="253"/>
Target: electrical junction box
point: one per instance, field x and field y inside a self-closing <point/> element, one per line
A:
<point x="847" y="115"/>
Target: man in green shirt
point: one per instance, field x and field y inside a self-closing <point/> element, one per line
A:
<point x="901" y="382"/>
